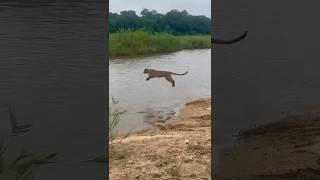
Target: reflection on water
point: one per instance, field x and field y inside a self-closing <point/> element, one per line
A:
<point x="51" y="72"/>
<point x="156" y="98"/>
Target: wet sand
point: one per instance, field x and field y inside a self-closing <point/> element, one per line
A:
<point x="179" y="148"/>
<point x="286" y="149"/>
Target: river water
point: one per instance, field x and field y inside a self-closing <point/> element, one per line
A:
<point x="52" y="59"/>
<point x="273" y="72"/>
<point x="155" y="98"/>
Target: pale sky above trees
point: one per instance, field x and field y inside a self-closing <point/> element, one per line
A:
<point x="194" y="7"/>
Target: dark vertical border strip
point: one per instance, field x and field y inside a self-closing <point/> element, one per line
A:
<point x="107" y="88"/>
<point x="213" y="126"/>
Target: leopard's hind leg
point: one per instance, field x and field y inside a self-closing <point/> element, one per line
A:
<point x="170" y="80"/>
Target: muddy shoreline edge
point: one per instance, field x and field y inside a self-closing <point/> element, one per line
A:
<point x="285" y="149"/>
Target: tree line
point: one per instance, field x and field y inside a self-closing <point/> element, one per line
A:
<point x="174" y="22"/>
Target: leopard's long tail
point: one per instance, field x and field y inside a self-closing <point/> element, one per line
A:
<point x="231" y="41"/>
<point x="179" y="74"/>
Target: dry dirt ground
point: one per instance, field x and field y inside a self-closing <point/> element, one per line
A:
<point x="283" y="150"/>
<point x="177" y="149"/>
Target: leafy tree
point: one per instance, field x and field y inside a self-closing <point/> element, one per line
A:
<point x="174" y="21"/>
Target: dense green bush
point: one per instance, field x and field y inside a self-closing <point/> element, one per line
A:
<point x="139" y="42"/>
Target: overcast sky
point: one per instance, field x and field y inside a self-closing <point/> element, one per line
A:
<point x="194" y="7"/>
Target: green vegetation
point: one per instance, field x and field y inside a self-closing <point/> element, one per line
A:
<point x="153" y="32"/>
<point x="114" y="119"/>
<point x="174" y="22"/>
<point x="128" y="43"/>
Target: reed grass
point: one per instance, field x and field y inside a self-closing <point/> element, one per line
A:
<point x="114" y="119"/>
<point x="131" y="43"/>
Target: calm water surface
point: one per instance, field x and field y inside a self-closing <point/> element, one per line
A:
<point x="274" y="71"/>
<point x="52" y="59"/>
<point x="145" y="100"/>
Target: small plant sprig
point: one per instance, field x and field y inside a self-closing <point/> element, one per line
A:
<point x="114" y="119"/>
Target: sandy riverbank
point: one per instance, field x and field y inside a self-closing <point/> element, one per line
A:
<point x="177" y="149"/>
<point x="283" y="150"/>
